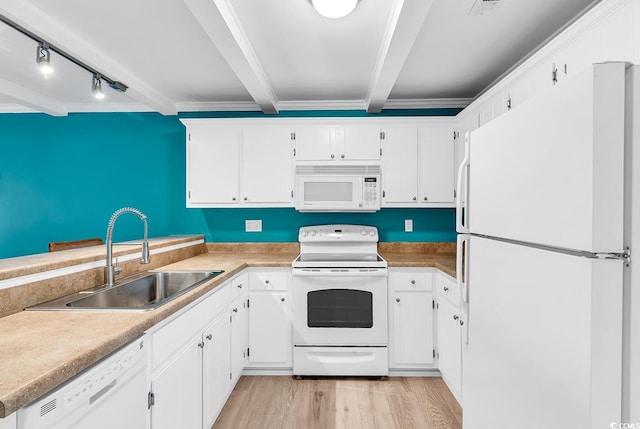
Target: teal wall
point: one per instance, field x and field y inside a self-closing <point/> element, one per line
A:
<point x="61" y="178"/>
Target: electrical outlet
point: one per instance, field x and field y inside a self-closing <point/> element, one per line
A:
<point x="408" y="225"/>
<point x="253" y="225"/>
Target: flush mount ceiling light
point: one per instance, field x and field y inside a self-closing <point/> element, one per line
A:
<point x="334" y="8"/>
<point x="96" y="87"/>
<point x="43" y="58"/>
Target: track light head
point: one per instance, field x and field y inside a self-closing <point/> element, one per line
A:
<point x="43" y="58"/>
<point x="96" y="87"/>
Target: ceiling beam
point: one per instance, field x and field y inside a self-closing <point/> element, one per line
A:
<point x="31" y="99"/>
<point x="220" y="22"/>
<point x="27" y="15"/>
<point x="403" y="27"/>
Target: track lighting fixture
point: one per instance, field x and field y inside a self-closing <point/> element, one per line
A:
<point x="43" y="58"/>
<point x="96" y="87"/>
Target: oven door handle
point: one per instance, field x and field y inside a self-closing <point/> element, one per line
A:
<point x="330" y="272"/>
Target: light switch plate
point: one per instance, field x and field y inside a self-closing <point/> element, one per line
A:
<point x="408" y="225"/>
<point x="253" y="225"/>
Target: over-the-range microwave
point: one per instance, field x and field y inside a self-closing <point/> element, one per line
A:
<point x="337" y="188"/>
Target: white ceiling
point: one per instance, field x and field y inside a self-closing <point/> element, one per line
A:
<point x="271" y="55"/>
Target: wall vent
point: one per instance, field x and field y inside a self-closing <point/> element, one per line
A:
<point x="482" y="7"/>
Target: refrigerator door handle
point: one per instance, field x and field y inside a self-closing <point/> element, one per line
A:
<point x="462" y="278"/>
<point x="462" y="192"/>
<point x="462" y="265"/>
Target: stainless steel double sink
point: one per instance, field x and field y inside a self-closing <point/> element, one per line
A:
<point x="141" y="292"/>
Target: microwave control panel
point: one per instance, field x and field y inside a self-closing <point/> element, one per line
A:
<point x="371" y="191"/>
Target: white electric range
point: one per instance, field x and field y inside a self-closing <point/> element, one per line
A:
<point x="339" y="296"/>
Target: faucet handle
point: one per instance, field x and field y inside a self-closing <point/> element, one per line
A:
<point x="117" y="270"/>
<point x="145" y="253"/>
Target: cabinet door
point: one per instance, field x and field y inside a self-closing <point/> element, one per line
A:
<point x="400" y="165"/>
<point x="313" y="143"/>
<point x="213" y="165"/>
<point x="362" y="142"/>
<point x="411" y="339"/>
<point x="239" y="337"/>
<point x="450" y="345"/>
<point x="178" y="391"/>
<point x="216" y="369"/>
<point x="436" y="165"/>
<point x="267" y="165"/>
<point x="269" y="330"/>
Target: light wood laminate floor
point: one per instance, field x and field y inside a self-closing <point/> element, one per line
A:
<point x="281" y="402"/>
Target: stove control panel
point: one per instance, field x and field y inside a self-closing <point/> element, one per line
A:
<point x="337" y="233"/>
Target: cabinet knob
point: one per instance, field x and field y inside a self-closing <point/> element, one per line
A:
<point x="456" y="317"/>
<point x="446" y="289"/>
<point x="209" y="337"/>
<point x="413" y="282"/>
<point x="245" y="198"/>
<point x="266" y="281"/>
<point x="397" y="299"/>
<point x="426" y="199"/>
<point x="282" y="299"/>
<point x="332" y="156"/>
<point x="239" y="285"/>
<point x="415" y="198"/>
<point x="461" y="322"/>
<point x="342" y="156"/>
<point x="201" y="344"/>
<point x="235" y="310"/>
<point x="233" y="199"/>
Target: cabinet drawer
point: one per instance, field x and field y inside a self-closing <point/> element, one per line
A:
<point x="239" y="285"/>
<point x="269" y="280"/>
<point x="411" y="281"/>
<point x="448" y="289"/>
<point x="171" y="337"/>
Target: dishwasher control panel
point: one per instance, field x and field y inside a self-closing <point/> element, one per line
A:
<point x="86" y="388"/>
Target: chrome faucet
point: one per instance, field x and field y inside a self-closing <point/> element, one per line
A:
<point x="110" y="271"/>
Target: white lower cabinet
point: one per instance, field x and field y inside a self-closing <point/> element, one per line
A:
<point x="450" y="320"/>
<point x="216" y="368"/>
<point x="411" y="328"/>
<point x="270" y="344"/>
<point x="177" y="390"/>
<point x="191" y="363"/>
<point x="239" y="336"/>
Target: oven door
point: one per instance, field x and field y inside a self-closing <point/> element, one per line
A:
<point x="339" y="307"/>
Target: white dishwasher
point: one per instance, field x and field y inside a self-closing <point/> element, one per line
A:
<point x="111" y="394"/>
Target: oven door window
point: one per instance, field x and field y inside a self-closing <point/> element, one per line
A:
<point x="339" y="308"/>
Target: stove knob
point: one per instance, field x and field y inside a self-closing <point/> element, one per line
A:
<point x="305" y="233"/>
<point x="313" y="232"/>
<point x="372" y="232"/>
<point x="363" y="232"/>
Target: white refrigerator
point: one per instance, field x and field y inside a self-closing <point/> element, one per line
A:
<point x="541" y="259"/>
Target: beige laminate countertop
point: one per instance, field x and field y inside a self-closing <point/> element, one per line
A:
<point x="39" y="350"/>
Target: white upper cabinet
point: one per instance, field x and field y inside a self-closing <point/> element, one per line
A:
<point x="400" y="165"/>
<point x="337" y="143"/>
<point x="267" y="165"/>
<point x="418" y="167"/>
<point x="251" y="163"/>
<point x="362" y="143"/>
<point x="315" y="143"/>
<point x="213" y="163"/>
<point x="436" y="165"/>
